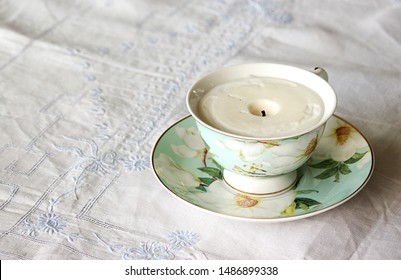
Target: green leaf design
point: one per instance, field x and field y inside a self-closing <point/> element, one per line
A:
<point x="212" y="171"/>
<point x="327" y="173"/>
<point x="344" y="169"/>
<point x="337" y="178"/>
<point x="328" y="163"/>
<point x="305" y="203"/>
<point x="302" y="206"/>
<point x="217" y="164"/>
<point x="206" y="181"/>
<point x="201" y="188"/>
<point x="307" y="191"/>
<point x="334" y="168"/>
<point x="356" y="157"/>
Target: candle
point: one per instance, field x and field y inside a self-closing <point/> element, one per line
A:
<point x="261" y="107"/>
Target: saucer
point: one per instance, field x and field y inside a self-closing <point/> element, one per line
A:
<point x="338" y="169"/>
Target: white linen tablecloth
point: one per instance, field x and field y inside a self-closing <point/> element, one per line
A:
<point x="87" y="88"/>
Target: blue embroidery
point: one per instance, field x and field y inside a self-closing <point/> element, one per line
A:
<point x="149" y="250"/>
<point x="96" y="162"/>
<point x="102" y="163"/>
<point x="179" y="242"/>
<point x="282" y="18"/>
<point x="154" y="82"/>
<point x="27" y="227"/>
<point x="272" y="10"/>
<point x="180" y="239"/>
<point x="50" y="223"/>
<point x="135" y="163"/>
<point x="154" y="71"/>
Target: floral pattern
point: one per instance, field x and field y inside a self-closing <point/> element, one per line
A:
<point x="27" y="227"/>
<point x="199" y="180"/>
<point x="340" y="145"/>
<point x="135" y="163"/>
<point x="340" y="141"/>
<point x="250" y="169"/>
<point x="173" y="173"/>
<point x="51" y="223"/>
<point x="270" y="157"/>
<point x="193" y="144"/>
<point x="149" y="251"/>
<point x="248" y="151"/>
<point x="95" y="108"/>
<point x="209" y="182"/>
<point x="292" y="153"/>
<point x="241" y="205"/>
<point x="182" y="239"/>
<point x="180" y="242"/>
<point x="95" y="162"/>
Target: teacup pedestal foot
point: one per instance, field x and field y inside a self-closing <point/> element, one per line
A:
<point x="260" y="186"/>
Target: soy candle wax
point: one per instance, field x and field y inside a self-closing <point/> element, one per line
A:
<point x="261" y="107"/>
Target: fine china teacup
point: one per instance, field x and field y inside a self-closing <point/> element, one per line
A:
<point x="260" y="164"/>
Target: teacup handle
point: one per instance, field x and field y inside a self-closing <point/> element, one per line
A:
<point x="321" y="73"/>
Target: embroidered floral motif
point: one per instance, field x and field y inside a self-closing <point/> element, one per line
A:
<point x="100" y="164"/>
<point x="272" y="10"/>
<point x="149" y="251"/>
<point x="28" y="227"/>
<point x="182" y="238"/>
<point x="93" y="162"/>
<point x="135" y="163"/>
<point x="179" y="243"/>
<point x="47" y="223"/>
<point x="51" y="223"/>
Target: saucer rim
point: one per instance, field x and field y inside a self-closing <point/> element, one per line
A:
<point x="265" y="219"/>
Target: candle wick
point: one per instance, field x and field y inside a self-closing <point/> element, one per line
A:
<point x="263" y="113"/>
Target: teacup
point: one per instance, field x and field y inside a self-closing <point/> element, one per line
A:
<point x="261" y="165"/>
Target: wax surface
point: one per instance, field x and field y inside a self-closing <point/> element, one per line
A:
<point x="261" y="107"/>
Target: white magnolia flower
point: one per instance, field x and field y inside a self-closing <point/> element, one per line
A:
<point x="340" y="141"/>
<point x="249" y="151"/>
<point x="241" y="205"/>
<point x="291" y="156"/>
<point x="173" y="173"/>
<point x="193" y="143"/>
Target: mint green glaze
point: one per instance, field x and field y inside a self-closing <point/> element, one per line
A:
<point x="260" y="158"/>
<point x="330" y="177"/>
